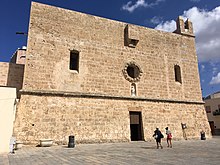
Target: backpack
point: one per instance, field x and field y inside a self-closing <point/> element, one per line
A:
<point x="160" y="135"/>
<point x="169" y="136"/>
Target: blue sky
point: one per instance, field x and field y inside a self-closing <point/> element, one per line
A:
<point x="158" y="14"/>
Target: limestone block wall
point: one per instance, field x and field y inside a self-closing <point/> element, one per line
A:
<point x="11" y="75"/>
<point x="3" y="73"/>
<point x="53" y="32"/>
<point x="94" y="102"/>
<point x="19" y="56"/>
<point x="101" y="120"/>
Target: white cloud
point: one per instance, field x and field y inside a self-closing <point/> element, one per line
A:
<point x="156" y="20"/>
<point x="202" y="68"/>
<point x="215" y="67"/>
<point x="139" y="3"/>
<point x="214" y="70"/>
<point x="206" y="27"/>
<point x="215" y="79"/>
<point x="168" y="26"/>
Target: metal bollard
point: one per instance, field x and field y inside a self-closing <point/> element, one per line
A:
<point x="203" y="135"/>
<point x="12" y="145"/>
<point x="71" y="143"/>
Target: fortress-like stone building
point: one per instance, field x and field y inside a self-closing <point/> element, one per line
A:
<point x="107" y="81"/>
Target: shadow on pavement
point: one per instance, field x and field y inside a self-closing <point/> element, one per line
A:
<point x="148" y="147"/>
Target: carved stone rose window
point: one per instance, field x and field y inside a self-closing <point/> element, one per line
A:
<point x="132" y="72"/>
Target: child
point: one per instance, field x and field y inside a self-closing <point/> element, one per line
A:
<point x="169" y="137"/>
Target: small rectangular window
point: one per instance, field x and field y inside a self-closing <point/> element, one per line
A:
<point x="74" y="60"/>
<point x="208" y="109"/>
<point x="177" y="73"/>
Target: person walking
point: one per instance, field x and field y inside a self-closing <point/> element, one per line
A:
<point x="158" y="136"/>
<point x="169" y="137"/>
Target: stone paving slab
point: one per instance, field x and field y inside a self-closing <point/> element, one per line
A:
<point x="189" y="152"/>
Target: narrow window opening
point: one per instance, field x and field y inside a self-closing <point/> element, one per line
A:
<point x="186" y="25"/>
<point x="208" y="109"/>
<point x="177" y="73"/>
<point x="74" y="60"/>
<point x="133" y="89"/>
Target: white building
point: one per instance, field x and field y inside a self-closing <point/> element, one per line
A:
<point x="212" y="106"/>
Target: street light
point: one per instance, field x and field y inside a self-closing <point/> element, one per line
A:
<point x="22" y="33"/>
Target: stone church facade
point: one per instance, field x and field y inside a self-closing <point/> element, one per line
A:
<point x="107" y="81"/>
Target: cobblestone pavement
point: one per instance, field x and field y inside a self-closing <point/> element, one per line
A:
<point x="189" y="152"/>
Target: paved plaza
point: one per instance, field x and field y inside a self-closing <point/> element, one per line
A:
<point x="189" y="152"/>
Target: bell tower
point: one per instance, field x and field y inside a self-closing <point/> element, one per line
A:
<point x="184" y="28"/>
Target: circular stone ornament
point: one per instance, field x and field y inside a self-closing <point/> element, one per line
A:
<point x="132" y="72"/>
